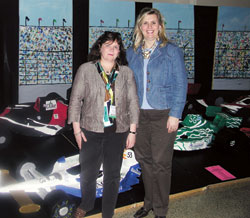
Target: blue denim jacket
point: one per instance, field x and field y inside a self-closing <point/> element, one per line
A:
<point x="166" y="78"/>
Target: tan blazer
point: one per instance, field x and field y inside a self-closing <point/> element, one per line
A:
<point x="87" y="99"/>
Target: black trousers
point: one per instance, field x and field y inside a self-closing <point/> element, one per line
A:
<point x="154" y="152"/>
<point x="106" y="148"/>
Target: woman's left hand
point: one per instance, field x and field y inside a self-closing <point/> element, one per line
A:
<point x="172" y="124"/>
<point x="130" y="140"/>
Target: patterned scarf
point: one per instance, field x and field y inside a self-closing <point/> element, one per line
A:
<point x="109" y="100"/>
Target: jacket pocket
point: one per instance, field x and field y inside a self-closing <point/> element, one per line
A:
<point x="165" y="96"/>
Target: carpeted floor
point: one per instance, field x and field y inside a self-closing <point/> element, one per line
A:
<point x="229" y="199"/>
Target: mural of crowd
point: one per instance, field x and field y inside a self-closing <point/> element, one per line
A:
<point x="183" y="38"/>
<point x="45" y="55"/>
<point x="232" y="58"/>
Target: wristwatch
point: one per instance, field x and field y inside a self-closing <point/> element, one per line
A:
<point x="132" y="132"/>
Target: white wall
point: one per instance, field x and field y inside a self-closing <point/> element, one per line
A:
<point x="31" y="92"/>
<point x="231" y="84"/>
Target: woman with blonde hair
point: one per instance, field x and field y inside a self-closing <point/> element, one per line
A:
<point x="161" y="80"/>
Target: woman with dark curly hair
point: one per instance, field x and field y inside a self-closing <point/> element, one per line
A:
<point x="104" y="111"/>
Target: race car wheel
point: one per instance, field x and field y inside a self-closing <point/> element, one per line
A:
<point x="5" y="138"/>
<point x="59" y="204"/>
<point x="22" y="166"/>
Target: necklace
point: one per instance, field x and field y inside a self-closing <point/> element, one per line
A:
<point x="146" y="52"/>
<point x="106" y="68"/>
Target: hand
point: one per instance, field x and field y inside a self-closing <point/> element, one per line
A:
<point x="130" y="140"/>
<point x="172" y="124"/>
<point x="79" y="136"/>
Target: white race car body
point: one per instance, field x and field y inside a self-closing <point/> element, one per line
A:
<point x="61" y="179"/>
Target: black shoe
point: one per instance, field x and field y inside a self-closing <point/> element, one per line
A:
<point x="142" y="212"/>
<point x="160" y="216"/>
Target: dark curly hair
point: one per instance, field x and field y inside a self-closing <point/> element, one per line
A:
<point x="95" y="54"/>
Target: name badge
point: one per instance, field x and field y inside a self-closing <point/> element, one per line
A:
<point x="112" y="111"/>
<point x="106" y="120"/>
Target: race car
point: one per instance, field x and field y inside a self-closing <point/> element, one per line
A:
<point x="58" y="187"/>
<point x="45" y="117"/>
<point x="234" y="107"/>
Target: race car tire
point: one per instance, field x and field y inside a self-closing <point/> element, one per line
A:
<point x="5" y="138"/>
<point x="59" y="205"/>
<point x="24" y="163"/>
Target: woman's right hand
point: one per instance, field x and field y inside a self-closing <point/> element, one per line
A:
<point x="79" y="138"/>
<point x="79" y="135"/>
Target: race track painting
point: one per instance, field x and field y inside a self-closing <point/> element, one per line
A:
<point x="45" y="55"/>
<point x="45" y="42"/>
<point x="232" y="51"/>
<point x="179" y="25"/>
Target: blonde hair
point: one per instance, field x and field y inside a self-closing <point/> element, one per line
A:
<point x="138" y="36"/>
